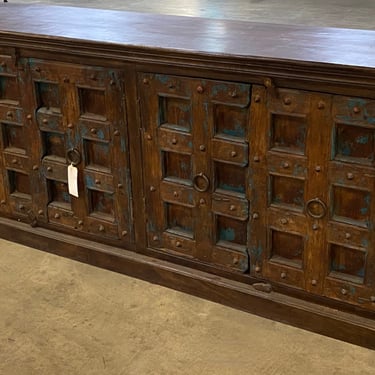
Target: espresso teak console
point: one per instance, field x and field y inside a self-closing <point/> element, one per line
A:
<point x="230" y="160"/>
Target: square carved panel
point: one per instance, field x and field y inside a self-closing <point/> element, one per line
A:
<point x="19" y="183"/>
<point x="101" y="203"/>
<point x="175" y="113"/>
<point x="288" y="133"/>
<point x="54" y="144"/>
<point x="351" y="205"/>
<point x="58" y="192"/>
<point x="346" y="262"/>
<point x="92" y="102"/>
<point x="230" y="121"/>
<point x="177" y="166"/>
<point x="13" y="136"/>
<point x="355" y="143"/>
<point x="287" y="248"/>
<point x="230" y="178"/>
<point x="9" y="92"/>
<point x="48" y="95"/>
<point x="287" y="191"/>
<point x="97" y="154"/>
<point x="229" y="230"/>
<point x="179" y="220"/>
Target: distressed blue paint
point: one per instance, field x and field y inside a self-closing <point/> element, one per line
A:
<point x="364" y="211"/>
<point x="367" y="202"/>
<point x="100" y="134"/>
<point x="77" y="138"/>
<point x="190" y="144"/>
<point x="342" y="268"/>
<point x="352" y="288"/>
<point x="257" y="251"/>
<point x="338" y="267"/>
<point x="151" y="226"/>
<point x="227" y="234"/>
<point x="185" y="167"/>
<point x="89" y="181"/>
<point x="361" y="272"/>
<point x="299" y="170"/>
<point x="32" y="63"/>
<point x="367" y="199"/>
<point x="237" y="131"/>
<point x="66" y="197"/>
<point x="219" y="88"/>
<point x="205" y="126"/>
<point x="162" y="78"/>
<point x="69" y="142"/>
<point x="363" y="140"/>
<point x="123" y="144"/>
<point x="49" y="91"/>
<point x="345" y="149"/>
<point x="364" y="242"/>
<point x="277" y="199"/>
<point x="18" y="115"/>
<point x="237" y="189"/>
<point x="53" y="124"/>
<point x="190" y="197"/>
<point x="298" y="200"/>
<point x="244" y="263"/>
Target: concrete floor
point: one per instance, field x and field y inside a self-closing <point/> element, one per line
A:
<point x="63" y="317"/>
<point x="60" y="317"/>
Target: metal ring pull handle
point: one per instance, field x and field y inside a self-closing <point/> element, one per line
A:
<point x="201" y="182"/>
<point x="73" y="156"/>
<point x="316" y="208"/>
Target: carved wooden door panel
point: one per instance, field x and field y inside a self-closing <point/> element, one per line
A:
<point x="196" y="158"/>
<point x="79" y="112"/>
<point x="289" y="154"/>
<point x="16" y="149"/>
<point x="312" y="207"/>
<point x="350" y="230"/>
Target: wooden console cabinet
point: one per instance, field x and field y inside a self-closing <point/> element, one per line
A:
<point x="231" y="160"/>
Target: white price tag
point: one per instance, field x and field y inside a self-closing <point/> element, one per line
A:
<point x="73" y="180"/>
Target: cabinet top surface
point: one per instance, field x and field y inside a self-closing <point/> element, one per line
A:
<point x="346" y="47"/>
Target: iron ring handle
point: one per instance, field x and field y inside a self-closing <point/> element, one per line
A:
<point x="205" y="179"/>
<point x="73" y="156"/>
<point x="316" y="208"/>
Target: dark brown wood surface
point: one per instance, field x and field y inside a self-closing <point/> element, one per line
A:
<point x="189" y="34"/>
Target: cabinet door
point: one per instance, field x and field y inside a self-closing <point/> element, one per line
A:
<point x="15" y="146"/>
<point x="312" y="159"/>
<point x="289" y="152"/>
<point x="196" y="159"/>
<point x="350" y="231"/>
<point x="81" y="121"/>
